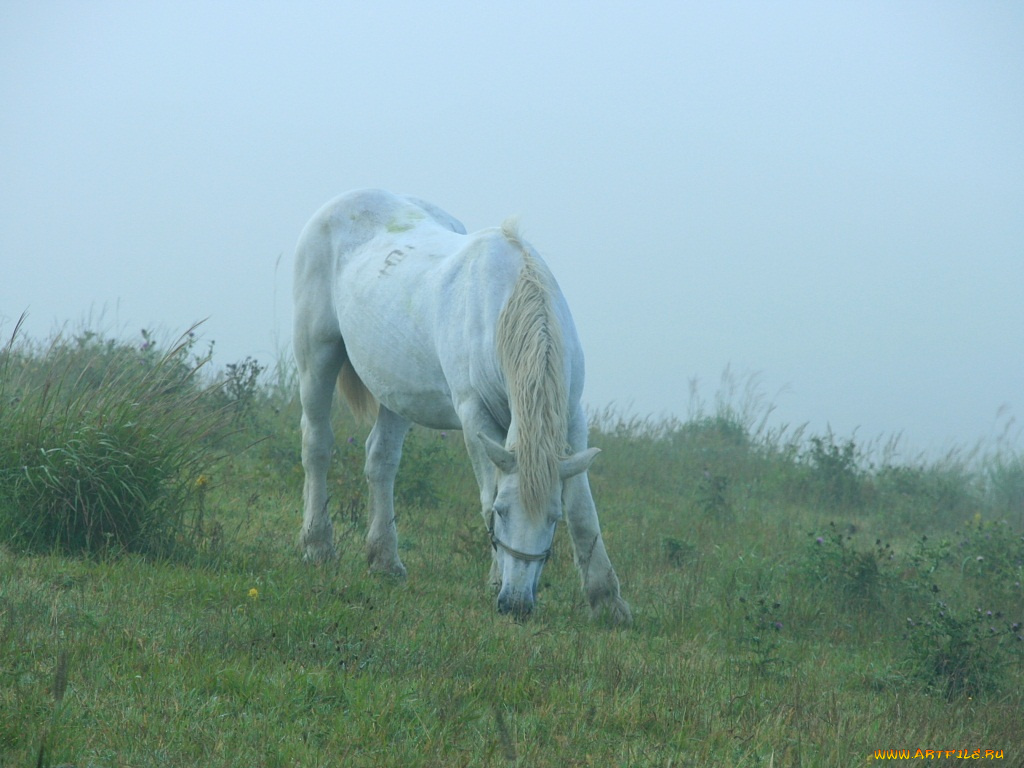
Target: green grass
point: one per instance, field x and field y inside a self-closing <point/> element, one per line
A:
<point x="753" y="644"/>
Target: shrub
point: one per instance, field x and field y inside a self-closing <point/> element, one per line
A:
<point x="101" y="443"/>
<point x="943" y="494"/>
<point x="833" y="562"/>
<point x="1005" y="477"/>
<point x="835" y="470"/>
<point x="990" y="558"/>
<point x="963" y="653"/>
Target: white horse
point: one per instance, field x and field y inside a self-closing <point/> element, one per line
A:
<point x="418" y="321"/>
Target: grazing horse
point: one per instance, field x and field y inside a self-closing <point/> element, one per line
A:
<point x="418" y="321"/>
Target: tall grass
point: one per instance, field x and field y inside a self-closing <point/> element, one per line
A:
<point x="102" y="443"/>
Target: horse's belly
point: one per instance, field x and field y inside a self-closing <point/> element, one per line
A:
<point x="389" y="299"/>
<point x="406" y="381"/>
<point x="426" y="410"/>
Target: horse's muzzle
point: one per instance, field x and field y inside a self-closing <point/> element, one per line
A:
<point x="519" y="606"/>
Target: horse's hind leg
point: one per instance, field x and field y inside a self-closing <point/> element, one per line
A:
<point x="383" y="454"/>
<point x="319" y="362"/>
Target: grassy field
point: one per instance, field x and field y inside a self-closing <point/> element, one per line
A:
<point x="798" y="600"/>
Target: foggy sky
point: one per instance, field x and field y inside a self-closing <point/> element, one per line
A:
<point x="829" y="196"/>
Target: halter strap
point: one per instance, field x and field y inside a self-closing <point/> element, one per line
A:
<point x="496" y="542"/>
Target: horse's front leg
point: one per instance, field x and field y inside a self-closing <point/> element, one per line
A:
<point x="600" y="584"/>
<point x="476" y="420"/>
<point x="383" y="454"/>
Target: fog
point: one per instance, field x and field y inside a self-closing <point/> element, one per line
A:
<point x="824" y="198"/>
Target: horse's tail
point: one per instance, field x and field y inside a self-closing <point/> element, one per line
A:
<point x="362" y="404"/>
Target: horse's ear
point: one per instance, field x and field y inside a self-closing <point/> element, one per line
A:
<point x="577" y="463"/>
<point x="502" y="458"/>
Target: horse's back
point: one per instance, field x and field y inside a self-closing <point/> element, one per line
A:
<point x="358" y="231"/>
<point x="354" y="219"/>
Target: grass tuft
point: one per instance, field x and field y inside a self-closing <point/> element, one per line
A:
<point x="101" y="444"/>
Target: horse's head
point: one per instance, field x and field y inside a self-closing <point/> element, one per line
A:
<point x="521" y="533"/>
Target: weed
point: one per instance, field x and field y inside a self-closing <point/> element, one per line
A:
<point x="713" y="495"/>
<point x="241" y="388"/>
<point x="678" y="552"/>
<point x="60" y="684"/>
<point x="426" y="464"/>
<point x="761" y="632"/>
<point x="349" y="482"/>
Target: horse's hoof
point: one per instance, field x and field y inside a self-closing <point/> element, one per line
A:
<point x="394" y="570"/>
<point x="613" y="611"/>
<point x="319" y="553"/>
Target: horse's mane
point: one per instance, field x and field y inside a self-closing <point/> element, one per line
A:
<point x="531" y="354"/>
